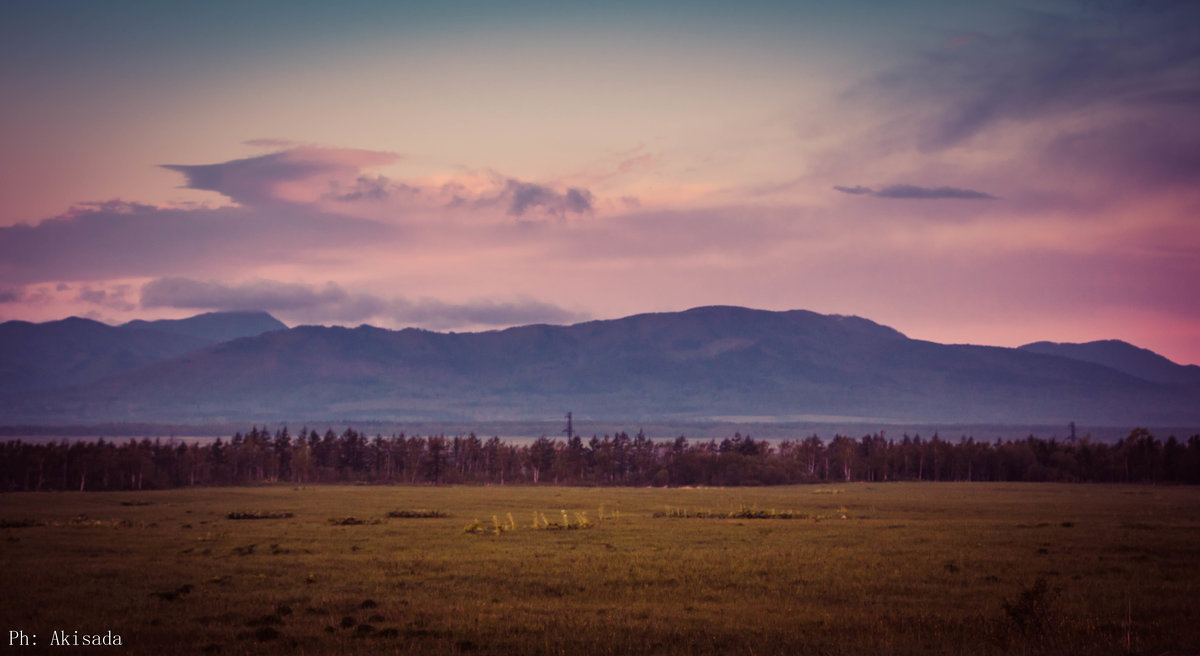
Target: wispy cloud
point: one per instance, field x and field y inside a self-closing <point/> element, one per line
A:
<point x="275" y="177"/>
<point x="270" y="142"/>
<point x="376" y="188"/>
<point x="855" y="191"/>
<point x="114" y="298"/>
<point x="269" y="295"/>
<point x="11" y="295"/>
<point x="295" y="205"/>
<point x="331" y="303"/>
<point x="126" y="240"/>
<point x="440" y="315"/>
<point x="524" y="196"/>
<point x="307" y="175"/>
<point x="1116" y="79"/>
<point x="907" y="191"/>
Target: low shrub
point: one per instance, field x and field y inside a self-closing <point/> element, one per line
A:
<point x="418" y="514"/>
<point x="258" y="514"/>
<point x="19" y="523"/>
<point x="354" y="521"/>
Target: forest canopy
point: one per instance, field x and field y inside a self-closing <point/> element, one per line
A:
<point x="311" y="457"/>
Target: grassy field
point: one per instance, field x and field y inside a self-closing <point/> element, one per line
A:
<point x="896" y="568"/>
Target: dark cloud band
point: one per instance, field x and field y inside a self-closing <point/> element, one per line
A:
<point x="525" y="196"/>
<point x="300" y="303"/>
<point x="127" y="240"/>
<point x="907" y="191"/>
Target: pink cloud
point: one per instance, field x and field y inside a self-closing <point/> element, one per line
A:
<point x="297" y="175"/>
<point x="299" y="303"/>
<point x="122" y="240"/>
<point x="268" y="142"/>
<point x="309" y="215"/>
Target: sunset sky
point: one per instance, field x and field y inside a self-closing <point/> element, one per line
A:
<point x="988" y="173"/>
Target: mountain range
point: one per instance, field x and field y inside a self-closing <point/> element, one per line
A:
<point x="700" y="364"/>
<point x="75" y="351"/>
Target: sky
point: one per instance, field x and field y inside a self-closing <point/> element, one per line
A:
<point x="987" y="173"/>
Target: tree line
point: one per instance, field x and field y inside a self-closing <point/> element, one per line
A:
<point x="311" y="457"/>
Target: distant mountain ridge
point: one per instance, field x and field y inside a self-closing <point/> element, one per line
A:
<point x="1122" y="356"/>
<point x="214" y="327"/>
<point x="75" y="351"/>
<point x="697" y="364"/>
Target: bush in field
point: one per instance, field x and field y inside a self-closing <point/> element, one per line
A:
<point x="353" y="521"/>
<point x="1035" y="611"/>
<point x="418" y="514"/>
<point x="259" y="515"/>
<point x="19" y="523"/>
<point x="474" y="527"/>
<point x="540" y="523"/>
<point x="740" y="513"/>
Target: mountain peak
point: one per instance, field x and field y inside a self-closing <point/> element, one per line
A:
<point x="1123" y="357"/>
<point x="215" y="327"/>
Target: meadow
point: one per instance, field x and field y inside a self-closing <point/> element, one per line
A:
<point x="860" y="568"/>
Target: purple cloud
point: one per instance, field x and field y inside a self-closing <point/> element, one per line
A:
<point x="301" y="176"/>
<point x="1128" y="66"/>
<point x="1147" y="153"/>
<point x="11" y="295"/>
<point x="856" y="191"/>
<point x="268" y="142"/>
<point x="369" y="188"/>
<point x="269" y="295"/>
<point x="439" y="315"/>
<point x="300" y="303"/>
<point x="255" y="180"/>
<point x="113" y="299"/>
<point x="908" y="191"/>
<point x="116" y="239"/>
<point x="524" y="196"/>
<point x="124" y="240"/>
<point x="248" y="181"/>
<point x="578" y="201"/>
